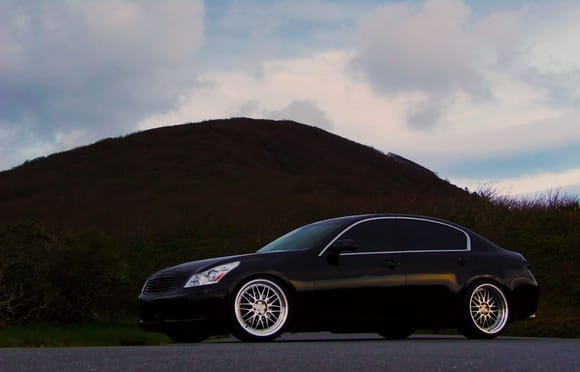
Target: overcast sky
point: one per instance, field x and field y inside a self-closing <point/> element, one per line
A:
<point x="481" y="92"/>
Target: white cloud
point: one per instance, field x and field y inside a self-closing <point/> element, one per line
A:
<point x="18" y="145"/>
<point x="91" y="66"/>
<point x="304" y="111"/>
<point x="552" y="42"/>
<point x="249" y="108"/>
<point x="427" y="47"/>
<point x="448" y="53"/>
<point x="243" y="33"/>
<point x="568" y="181"/>
<point x="74" y="138"/>
<point x="243" y="14"/>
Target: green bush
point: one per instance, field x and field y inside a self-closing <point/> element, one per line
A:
<point x="65" y="278"/>
<point x="24" y="250"/>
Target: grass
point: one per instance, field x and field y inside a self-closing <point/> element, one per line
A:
<point x="89" y="334"/>
<point x="550" y="322"/>
<point x="126" y="334"/>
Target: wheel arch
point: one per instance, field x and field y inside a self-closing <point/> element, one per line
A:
<point x="279" y="279"/>
<point x="487" y="279"/>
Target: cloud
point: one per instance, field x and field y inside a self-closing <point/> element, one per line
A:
<point x="243" y="33"/>
<point x="302" y="111"/>
<point x="249" y="108"/>
<point x="426" y="115"/>
<point x="93" y="67"/>
<point x="530" y="184"/>
<point x="430" y="48"/>
<point x="552" y="59"/>
<point x="420" y="47"/>
<point x="446" y="52"/>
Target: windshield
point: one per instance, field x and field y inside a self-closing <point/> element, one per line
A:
<point x="305" y="237"/>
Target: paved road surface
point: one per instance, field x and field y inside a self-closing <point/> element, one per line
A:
<point x="311" y="352"/>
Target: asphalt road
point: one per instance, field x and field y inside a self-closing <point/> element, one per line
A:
<point x="310" y="352"/>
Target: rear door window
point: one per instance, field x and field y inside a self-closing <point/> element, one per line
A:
<point x="422" y="235"/>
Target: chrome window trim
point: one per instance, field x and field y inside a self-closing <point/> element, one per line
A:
<point x="467" y="237"/>
<point x="416" y="251"/>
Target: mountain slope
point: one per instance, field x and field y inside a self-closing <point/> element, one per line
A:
<point x="227" y="171"/>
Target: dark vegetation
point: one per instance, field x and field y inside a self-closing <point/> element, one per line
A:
<point x="79" y="334"/>
<point x="80" y="231"/>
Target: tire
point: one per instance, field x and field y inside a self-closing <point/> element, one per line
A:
<point x="485" y="311"/>
<point x="187" y="337"/>
<point x="397" y="332"/>
<point x="260" y="310"/>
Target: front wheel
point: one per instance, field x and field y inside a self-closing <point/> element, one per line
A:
<point x="260" y="310"/>
<point x="485" y="311"/>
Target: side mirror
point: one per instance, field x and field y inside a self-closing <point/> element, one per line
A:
<point x="342" y="245"/>
<point x="338" y="247"/>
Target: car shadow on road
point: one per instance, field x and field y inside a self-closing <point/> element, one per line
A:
<point x="329" y="337"/>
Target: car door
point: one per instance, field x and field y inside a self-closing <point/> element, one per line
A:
<point x="362" y="286"/>
<point x="437" y="262"/>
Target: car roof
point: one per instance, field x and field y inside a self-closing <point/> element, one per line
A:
<point x="359" y="217"/>
<point x="478" y="241"/>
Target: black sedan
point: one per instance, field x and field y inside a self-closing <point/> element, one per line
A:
<point x="389" y="274"/>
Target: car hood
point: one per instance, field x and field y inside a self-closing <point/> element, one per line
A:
<point x="201" y="265"/>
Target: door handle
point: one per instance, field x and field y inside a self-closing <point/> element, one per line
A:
<point x="391" y="264"/>
<point x="461" y="260"/>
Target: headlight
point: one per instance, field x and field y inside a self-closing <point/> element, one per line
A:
<point x="211" y="276"/>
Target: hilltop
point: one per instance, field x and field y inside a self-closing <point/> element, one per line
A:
<point x="224" y="171"/>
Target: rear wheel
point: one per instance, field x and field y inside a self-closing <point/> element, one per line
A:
<point x="485" y="311"/>
<point x="260" y="310"/>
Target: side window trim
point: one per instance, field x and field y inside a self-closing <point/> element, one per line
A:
<point x="350" y="227"/>
<point x="398" y="252"/>
<point x="467" y="237"/>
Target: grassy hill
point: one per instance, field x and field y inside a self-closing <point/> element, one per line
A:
<point x="235" y="171"/>
<point x="81" y="230"/>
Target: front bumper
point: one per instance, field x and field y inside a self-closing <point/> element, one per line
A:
<point x="187" y="307"/>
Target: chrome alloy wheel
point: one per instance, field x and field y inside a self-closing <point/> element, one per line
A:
<point x="488" y="308"/>
<point x="261" y="307"/>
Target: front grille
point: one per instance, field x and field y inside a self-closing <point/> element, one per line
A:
<point x="162" y="283"/>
